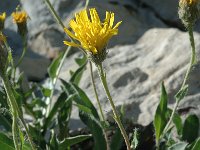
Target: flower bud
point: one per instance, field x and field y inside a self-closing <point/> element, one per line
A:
<point x="2" y="20"/>
<point x="189" y="11"/>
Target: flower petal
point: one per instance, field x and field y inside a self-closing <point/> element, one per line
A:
<point x="112" y="18"/>
<point x="70" y="33"/>
<point x="117" y="25"/>
<point x="71" y="44"/>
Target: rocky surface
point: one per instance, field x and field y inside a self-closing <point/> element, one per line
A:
<point x="149" y="49"/>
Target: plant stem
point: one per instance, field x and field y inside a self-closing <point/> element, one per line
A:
<point x="15" y="111"/>
<point x="11" y="100"/>
<point x="24" y="38"/>
<point x="95" y="91"/>
<point x="27" y="133"/>
<point x="99" y="104"/>
<point x="56" y="17"/>
<point x="54" y="81"/>
<point x="192" y="62"/>
<point x="53" y="12"/>
<point x="193" y="56"/>
<point x="86" y="3"/>
<point x="116" y="116"/>
<point x="14" y="131"/>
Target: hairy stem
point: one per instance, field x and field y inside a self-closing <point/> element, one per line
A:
<point x="11" y="100"/>
<point x="15" y="111"/>
<point x="95" y="91"/>
<point x="15" y="132"/>
<point x="192" y="62"/>
<point x="53" y="12"/>
<point x="24" y="38"/>
<point x="116" y="115"/>
<point x="99" y="104"/>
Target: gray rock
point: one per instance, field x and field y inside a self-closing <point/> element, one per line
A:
<point x="166" y="9"/>
<point x="34" y="66"/>
<point x="8" y="6"/>
<point x="48" y="42"/>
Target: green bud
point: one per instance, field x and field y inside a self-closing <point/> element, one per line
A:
<point x="189" y="11"/>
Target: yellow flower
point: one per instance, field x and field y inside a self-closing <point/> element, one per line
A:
<point x="2" y="20"/>
<point x="3" y="17"/>
<point x="188" y="1"/>
<point x="19" y="17"/>
<point x="91" y="34"/>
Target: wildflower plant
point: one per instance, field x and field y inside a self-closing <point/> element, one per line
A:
<point x="93" y="37"/>
<point x="165" y="118"/>
<point x="48" y="126"/>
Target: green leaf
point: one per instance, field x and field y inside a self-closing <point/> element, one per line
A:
<point x="81" y="61"/>
<point x="178" y="146"/>
<point x="63" y="117"/>
<point x="6" y="143"/>
<point x="53" y="68"/>
<point x="117" y="140"/>
<point x="46" y="92"/>
<point x="68" y="87"/>
<point x="84" y="108"/>
<point x="5" y="119"/>
<point x="85" y="101"/>
<point x="59" y="103"/>
<point x="3" y="99"/>
<point x="181" y="94"/>
<point x="190" y="128"/>
<point x="21" y="138"/>
<point x="76" y="77"/>
<point x="95" y="128"/>
<point x="53" y="140"/>
<point x="27" y="146"/>
<point x="197" y="145"/>
<point x="72" y="141"/>
<point x="20" y="78"/>
<point x="81" y="98"/>
<point x="29" y="92"/>
<point x="160" y="119"/>
<point x="178" y="123"/>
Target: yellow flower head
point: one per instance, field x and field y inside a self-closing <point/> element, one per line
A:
<point x="3" y="17"/>
<point x="19" y="17"/>
<point x="190" y="2"/>
<point x="2" y="20"/>
<point x="92" y="34"/>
